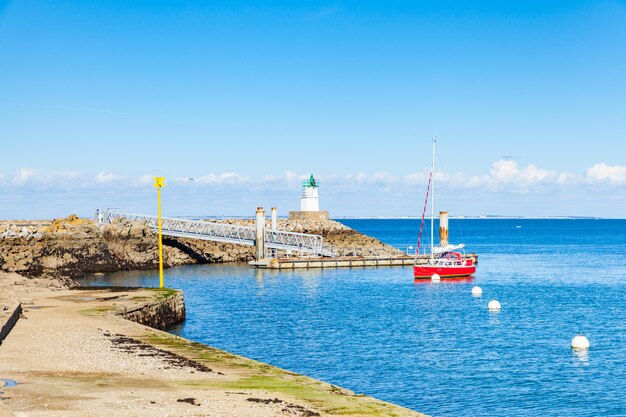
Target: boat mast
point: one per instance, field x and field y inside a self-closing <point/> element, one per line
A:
<point x="432" y="204"/>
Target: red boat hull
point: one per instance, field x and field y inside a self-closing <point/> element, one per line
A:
<point x="427" y="271"/>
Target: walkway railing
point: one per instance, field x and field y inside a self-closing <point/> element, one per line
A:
<point x="227" y="233"/>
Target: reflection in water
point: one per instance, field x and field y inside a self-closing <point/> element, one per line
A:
<point x="311" y="284"/>
<point x="259" y="277"/>
<point x="259" y="274"/>
<point x="581" y="356"/>
<point x="463" y="280"/>
<point x="494" y="317"/>
<point x="310" y="278"/>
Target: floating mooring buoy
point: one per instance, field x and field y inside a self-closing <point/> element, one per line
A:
<point x="435" y="277"/>
<point x="477" y="291"/>
<point x="580" y="342"/>
<point x="494" y="305"/>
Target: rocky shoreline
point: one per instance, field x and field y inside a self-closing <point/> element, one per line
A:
<point x="72" y="247"/>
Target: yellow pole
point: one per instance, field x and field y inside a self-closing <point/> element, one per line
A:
<point x="158" y="184"/>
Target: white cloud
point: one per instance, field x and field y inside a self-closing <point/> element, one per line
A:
<point x="23" y="176"/>
<point x="383" y="178"/>
<point x="524" y="187"/>
<point x="144" y="180"/>
<point x="504" y="171"/>
<point x="506" y="174"/>
<point x="415" y="179"/>
<point x="291" y="176"/>
<point x="602" y="172"/>
<point x="289" y="180"/>
<point x="61" y="179"/>
<point x="226" y="178"/>
<point x="567" y="178"/>
<point x="105" y="177"/>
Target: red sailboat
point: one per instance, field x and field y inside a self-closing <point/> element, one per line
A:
<point x="445" y="261"/>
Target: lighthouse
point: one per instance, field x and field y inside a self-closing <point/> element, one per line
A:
<point x="309" y="202"/>
<point x="309" y="198"/>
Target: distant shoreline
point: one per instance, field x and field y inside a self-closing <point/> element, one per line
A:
<point x="484" y="217"/>
<point x="339" y="218"/>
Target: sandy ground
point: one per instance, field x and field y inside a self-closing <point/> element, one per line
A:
<point x="71" y="356"/>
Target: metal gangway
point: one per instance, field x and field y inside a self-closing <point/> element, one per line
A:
<point x="226" y="233"/>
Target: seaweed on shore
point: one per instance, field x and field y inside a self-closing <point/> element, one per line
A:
<point x="288" y="407"/>
<point x="134" y="346"/>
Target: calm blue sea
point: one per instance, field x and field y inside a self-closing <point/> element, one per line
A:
<point x="433" y="347"/>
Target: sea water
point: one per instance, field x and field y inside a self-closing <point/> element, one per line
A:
<point x="433" y="347"/>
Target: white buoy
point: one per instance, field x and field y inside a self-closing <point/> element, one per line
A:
<point x="494" y="305"/>
<point x="580" y="342"/>
<point x="435" y="277"/>
<point x="477" y="291"/>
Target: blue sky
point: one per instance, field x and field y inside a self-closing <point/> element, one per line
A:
<point x="528" y="100"/>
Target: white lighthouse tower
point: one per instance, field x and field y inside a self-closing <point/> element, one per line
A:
<point x="309" y="203"/>
<point x="308" y="199"/>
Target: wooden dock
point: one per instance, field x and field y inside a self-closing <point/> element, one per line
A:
<point x="342" y="262"/>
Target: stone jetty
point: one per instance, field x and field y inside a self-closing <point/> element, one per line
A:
<point x="73" y="247"/>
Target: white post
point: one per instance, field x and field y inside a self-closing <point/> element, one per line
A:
<point x="260" y="233"/>
<point x="274" y="217"/>
<point x="443" y="229"/>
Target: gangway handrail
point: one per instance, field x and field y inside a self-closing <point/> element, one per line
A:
<point x="226" y="232"/>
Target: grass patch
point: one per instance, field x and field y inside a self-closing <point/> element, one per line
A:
<point x="140" y="298"/>
<point x="273" y="383"/>
<point x="314" y="393"/>
<point x="164" y="293"/>
<point x="205" y="353"/>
